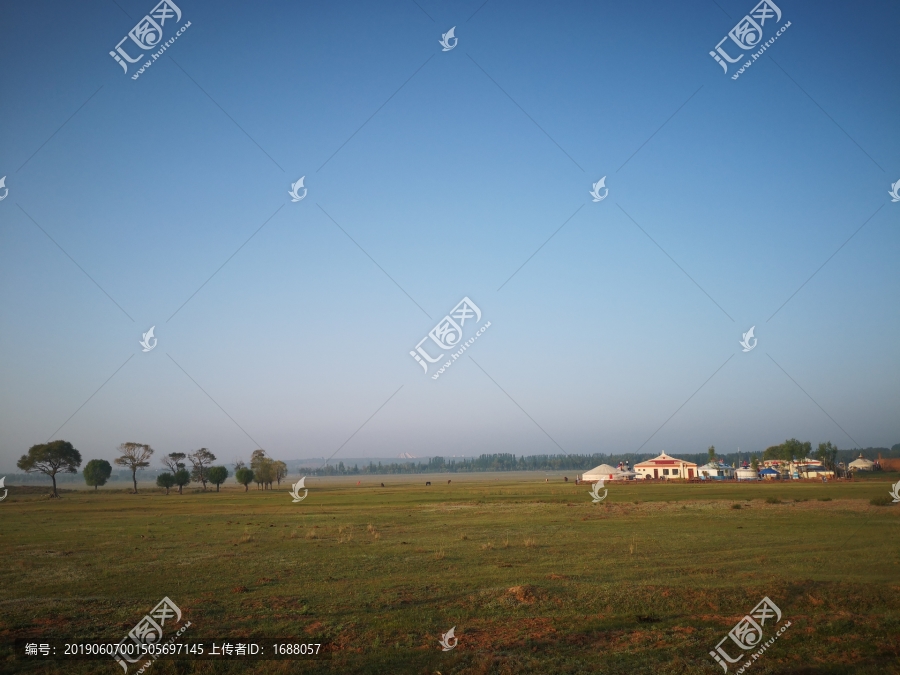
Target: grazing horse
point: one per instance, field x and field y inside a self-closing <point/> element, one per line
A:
<point x="382" y="485"/>
<point x="427" y="482"/>
<point x="448" y="482"/>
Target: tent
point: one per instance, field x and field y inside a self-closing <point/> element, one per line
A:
<point x="769" y="473"/>
<point x="746" y="474"/>
<point x="606" y="472"/>
<point x="862" y="464"/>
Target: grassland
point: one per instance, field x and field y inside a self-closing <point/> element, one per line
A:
<point x="535" y="577"/>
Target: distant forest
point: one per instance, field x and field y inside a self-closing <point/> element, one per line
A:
<point x="493" y="462"/>
<point x="575" y="463"/>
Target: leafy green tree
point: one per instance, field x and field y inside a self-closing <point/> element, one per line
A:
<point x="754" y="464"/>
<point x="182" y="478"/>
<point x="166" y="480"/>
<point x="50" y="459"/>
<point x="97" y="472"/>
<point x="134" y="456"/>
<point x="217" y="475"/>
<point x="711" y="451"/>
<point x="263" y="468"/>
<point x="265" y="473"/>
<point x="201" y="460"/>
<point x="244" y="476"/>
<point x="772" y="452"/>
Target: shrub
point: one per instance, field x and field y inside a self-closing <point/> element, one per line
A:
<point x="735" y="506"/>
<point x="773" y="500"/>
<point x="881" y="501"/>
<point x="824" y="499"/>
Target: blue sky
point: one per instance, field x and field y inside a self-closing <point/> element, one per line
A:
<point x="725" y="197"/>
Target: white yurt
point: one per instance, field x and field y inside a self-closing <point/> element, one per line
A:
<point x="602" y="472"/>
<point x="861" y="464"/>
<point x="745" y="474"/>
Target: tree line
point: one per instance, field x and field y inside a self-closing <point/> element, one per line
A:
<point x="61" y="457"/>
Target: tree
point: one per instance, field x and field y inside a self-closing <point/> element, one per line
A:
<point x="174" y="461"/>
<point x="97" y="472"/>
<point x="135" y="456"/>
<point x="754" y="464"/>
<point x="182" y="478"/>
<point x="217" y="475"/>
<point x="827" y="454"/>
<point x="265" y="473"/>
<point x="712" y="454"/>
<point x="244" y="476"/>
<point x="263" y="468"/>
<point x="772" y="452"/>
<point x="51" y="458"/>
<point x="201" y="460"/>
<point x="166" y="480"/>
<point x="281" y="471"/>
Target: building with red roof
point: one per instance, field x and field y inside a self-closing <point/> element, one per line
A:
<point x="666" y="467"/>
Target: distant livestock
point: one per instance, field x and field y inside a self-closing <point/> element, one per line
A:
<point x="427" y="482"/>
<point x="382" y="485"/>
<point x="448" y="482"/>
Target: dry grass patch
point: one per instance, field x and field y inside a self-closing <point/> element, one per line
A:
<point x="522" y="594"/>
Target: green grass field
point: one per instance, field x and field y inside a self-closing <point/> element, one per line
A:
<point x="535" y="578"/>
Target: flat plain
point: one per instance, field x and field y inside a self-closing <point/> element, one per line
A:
<point x="534" y="577"/>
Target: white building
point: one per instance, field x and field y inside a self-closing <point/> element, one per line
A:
<point x="665" y="467"/>
<point x="715" y="471"/>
